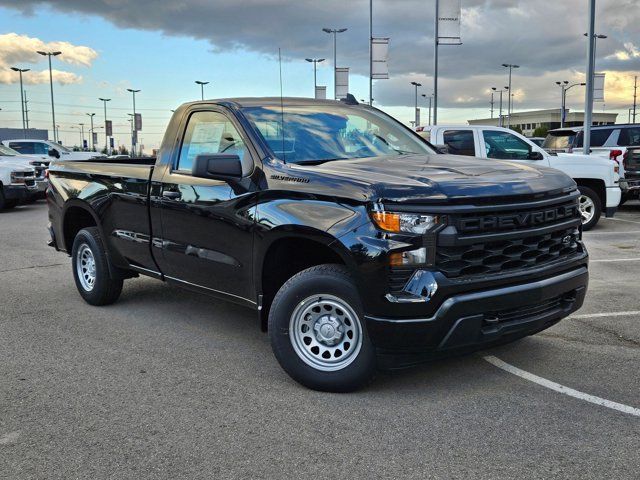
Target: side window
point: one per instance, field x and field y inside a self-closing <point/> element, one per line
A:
<point x="26" y="148"/>
<point x="40" y="148"/>
<point x="208" y="133"/>
<point x="460" y="142"/>
<point x="629" y="137"/>
<point x="504" y="145"/>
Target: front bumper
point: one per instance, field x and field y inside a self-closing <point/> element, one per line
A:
<point x="18" y="192"/>
<point x="470" y="321"/>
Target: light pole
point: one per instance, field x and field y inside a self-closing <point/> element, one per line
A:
<point x="588" y="99"/>
<point x="506" y="89"/>
<point x="106" y="133"/>
<point x="416" y="84"/>
<point x="510" y="66"/>
<point x="335" y="32"/>
<point x="133" y="124"/>
<point x="82" y="135"/>
<point x="492" y="102"/>
<point x="430" y="97"/>
<point x="563" y="99"/>
<point x="91" y="115"/>
<point x="315" y="62"/>
<point x="21" y="71"/>
<point x="202" y="84"/>
<point x="53" y="110"/>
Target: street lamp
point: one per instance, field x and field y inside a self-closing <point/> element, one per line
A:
<point x="315" y="62"/>
<point x="506" y="89"/>
<point x="563" y="99"/>
<point x="21" y="71"/>
<point x="430" y="97"/>
<point x="53" y="111"/>
<point x="133" y="131"/>
<point x="202" y="84"/>
<point x="82" y="135"/>
<point x="416" y="84"/>
<point x="510" y="66"/>
<point x="106" y="133"/>
<point x="91" y="115"/>
<point x="335" y="32"/>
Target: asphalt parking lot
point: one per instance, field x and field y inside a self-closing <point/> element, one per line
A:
<point x="170" y="384"/>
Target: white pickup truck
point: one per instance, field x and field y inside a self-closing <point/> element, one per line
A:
<point x="36" y="162"/>
<point x="17" y="184"/>
<point x="597" y="178"/>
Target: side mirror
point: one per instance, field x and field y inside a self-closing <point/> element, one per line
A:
<point x="442" y="149"/>
<point x="535" y="155"/>
<point x="54" y="153"/>
<point x="220" y="166"/>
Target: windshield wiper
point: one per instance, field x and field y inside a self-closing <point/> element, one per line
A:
<point x="319" y="161"/>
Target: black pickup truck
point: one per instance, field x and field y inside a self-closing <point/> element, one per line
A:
<point x="356" y="242"/>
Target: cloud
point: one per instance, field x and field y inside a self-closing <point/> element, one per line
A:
<point x="545" y="38"/>
<point x="21" y="51"/>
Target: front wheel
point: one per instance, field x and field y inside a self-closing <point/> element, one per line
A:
<point x="317" y="331"/>
<point x="590" y="207"/>
<point x="91" y="269"/>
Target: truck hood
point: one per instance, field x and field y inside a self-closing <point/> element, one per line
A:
<point x="436" y="177"/>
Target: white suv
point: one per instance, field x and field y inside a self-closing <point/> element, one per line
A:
<point x="27" y="146"/>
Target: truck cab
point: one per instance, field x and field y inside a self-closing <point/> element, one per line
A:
<point x="598" y="178"/>
<point x="55" y="151"/>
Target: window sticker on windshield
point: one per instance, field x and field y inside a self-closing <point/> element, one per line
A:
<point x="208" y="134"/>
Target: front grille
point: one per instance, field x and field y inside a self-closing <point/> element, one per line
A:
<point x="513" y="254"/>
<point x="398" y="278"/>
<point x="30" y="182"/>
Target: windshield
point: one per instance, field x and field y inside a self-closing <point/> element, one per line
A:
<point x="319" y="133"/>
<point x="7" y="152"/>
<point x="559" y="140"/>
<point x="59" y="147"/>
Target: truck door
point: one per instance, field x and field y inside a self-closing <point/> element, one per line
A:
<point x="503" y="145"/>
<point x="206" y="235"/>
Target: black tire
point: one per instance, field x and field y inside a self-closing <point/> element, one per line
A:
<point x="597" y="207"/>
<point x="4" y="203"/>
<point x="330" y="281"/>
<point x="105" y="288"/>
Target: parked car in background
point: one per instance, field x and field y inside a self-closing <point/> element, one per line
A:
<point x="38" y="163"/>
<point x="353" y="240"/>
<point x="606" y="140"/>
<point x="537" y="140"/>
<point x="597" y="178"/>
<point x="26" y="146"/>
<point x="631" y="188"/>
<point x="17" y="184"/>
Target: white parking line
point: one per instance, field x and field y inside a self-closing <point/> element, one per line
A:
<point x="622" y="220"/>
<point x="561" y="388"/>
<point x="588" y="234"/>
<point x="610" y="314"/>
<point x="605" y="260"/>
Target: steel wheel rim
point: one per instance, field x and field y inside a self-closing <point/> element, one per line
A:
<point x="325" y="332"/>
<point x="86" y="267"/>
<point x="587" y="208"/>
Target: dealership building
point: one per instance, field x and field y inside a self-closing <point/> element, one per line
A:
<point x="529" y="121"/>
<point x="32" y="133"/>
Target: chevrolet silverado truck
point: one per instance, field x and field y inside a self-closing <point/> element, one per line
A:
<point x="39" y="165"/>
<point x="358" y="245"/>
<point x="598" y="178"/>
<point x="17" y="184"/>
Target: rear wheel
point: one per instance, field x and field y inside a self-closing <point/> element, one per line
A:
<point x="91" y="269"/>
<point x="590" y="207"/>
<point x="317" y="331"/>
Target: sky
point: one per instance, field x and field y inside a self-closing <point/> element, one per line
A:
<point x="162" y="46"/>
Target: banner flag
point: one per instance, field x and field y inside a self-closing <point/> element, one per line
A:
<point x="598" y="87"/>
<point x="380" y="57"/>
<point x="109" y="128"/>
<point x="342" y="82"/>
<point x="321" y="92"/>
<point x="449" y="22"/>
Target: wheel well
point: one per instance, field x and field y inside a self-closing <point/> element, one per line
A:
<point x="597" y="186"/>
<point x="284" y="259"/>
<point x="75" y="219"/>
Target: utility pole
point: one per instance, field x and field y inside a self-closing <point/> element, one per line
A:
<point x="81" y="136"/>
<point x="635" y="91"/>
<point x="21" y="71"/>
<point x="588" y="101"/>
<point x="93" y="145"/>
<point x="492" y="102"/>
<point x="53" y="110"/>
<point x="510" y="66"/>
<point x="202" y="84"/>
<point x="416" y="84"/>
<point x="435" y="65"/>
<point x="430" y="97"/>
<point x="506" y="89"/>
<point x="106" y="133"/>
<point x="26" y="109"/>
<point x="335" y="32"/>
<point x="315" y="62"/>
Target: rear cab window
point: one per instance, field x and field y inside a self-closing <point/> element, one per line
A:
<point x="629" y="137"/>
<point x="560" y="140"/>
<point x="460" y="142"/>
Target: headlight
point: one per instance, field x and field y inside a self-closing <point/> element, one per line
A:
<point x="18" y="177"/>
<point x="416" y="223"/>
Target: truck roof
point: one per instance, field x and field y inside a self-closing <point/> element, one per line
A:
<point x="266" y="101"/>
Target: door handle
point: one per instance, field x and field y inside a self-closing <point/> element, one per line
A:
<point x="171" y="194"/>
